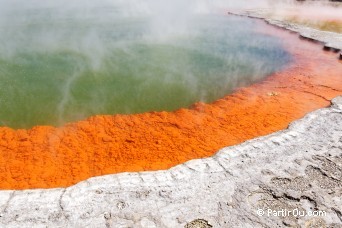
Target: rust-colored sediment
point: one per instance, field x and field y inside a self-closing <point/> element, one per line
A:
<point x="46" y="157"/>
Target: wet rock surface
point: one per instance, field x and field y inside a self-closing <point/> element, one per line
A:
<point x="249" y="185"/>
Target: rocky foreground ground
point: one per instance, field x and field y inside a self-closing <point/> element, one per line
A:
<point x="255" y="184"/>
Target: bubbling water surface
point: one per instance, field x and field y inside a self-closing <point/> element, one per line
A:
<point x="59" y="66"/>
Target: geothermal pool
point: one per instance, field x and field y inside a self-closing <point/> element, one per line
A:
<point x="58" y="66"/>
<point x="61" y="63"/>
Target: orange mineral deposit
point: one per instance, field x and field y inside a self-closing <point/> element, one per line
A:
<point x="47" y="157"/>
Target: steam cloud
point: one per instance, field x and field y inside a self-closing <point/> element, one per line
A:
<point x="71" y="34"/>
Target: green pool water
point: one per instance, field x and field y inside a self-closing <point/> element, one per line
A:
<point x="60" y="67"/>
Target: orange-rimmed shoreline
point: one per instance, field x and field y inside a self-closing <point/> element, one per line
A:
<point x="46" y="157"/>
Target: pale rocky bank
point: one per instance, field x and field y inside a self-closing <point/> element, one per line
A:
<point x="331" y="40"/>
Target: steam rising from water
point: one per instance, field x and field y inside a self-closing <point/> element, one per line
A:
<point x="66" y="60"/>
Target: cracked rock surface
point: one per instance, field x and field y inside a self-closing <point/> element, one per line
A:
<point x="297" y="169"/>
